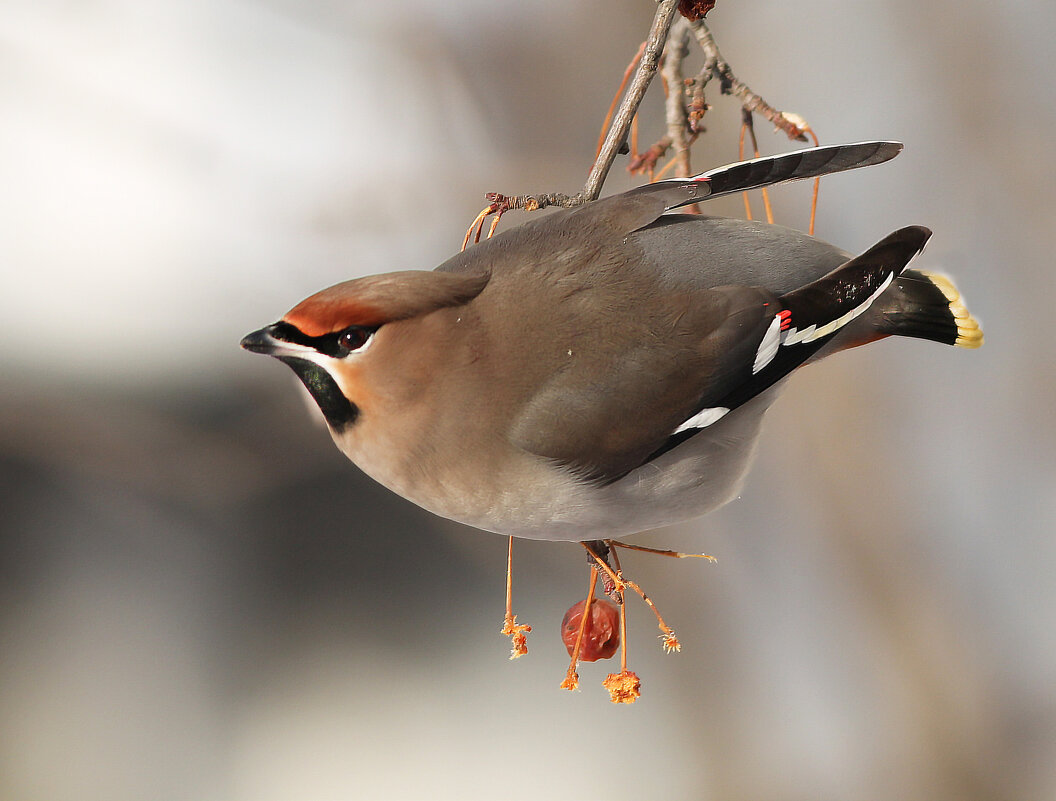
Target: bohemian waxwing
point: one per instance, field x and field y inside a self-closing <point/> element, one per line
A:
<point x="603" y="370"/>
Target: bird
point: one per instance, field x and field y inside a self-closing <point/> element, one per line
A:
<point x="603" y="370"/>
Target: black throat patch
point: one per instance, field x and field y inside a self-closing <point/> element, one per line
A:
<point x="336" y="408"/>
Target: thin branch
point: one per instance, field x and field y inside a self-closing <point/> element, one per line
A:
<point x="729" y="85"/>
<point x="675" y="106"/>
<point x="665" y="12"/>
<point x="698" y="106"/>
<point x="658" y="551"/>
<point x="817" y="186"/>
<point x="571" y="681"/>
<point x="619" y="93"/>
<point x="510" y="627"/>
<point x="683" y="120"/>
<point x="504" y="203"/>
<point x="748" y="125"/>
<point x="646" y="162"/>
<point x="499" y="204"/>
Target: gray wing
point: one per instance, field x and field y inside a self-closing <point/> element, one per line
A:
<point x="700" y="251"/>
<point x="609" y="416"/>
<point x="645" y="206"/>
<point x="628" y="386"/>
<point x="766" y="171"/>
<point x="621" y="353"/>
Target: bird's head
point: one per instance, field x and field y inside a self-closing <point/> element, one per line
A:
<point x="336" y="340"/>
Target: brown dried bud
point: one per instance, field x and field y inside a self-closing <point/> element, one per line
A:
<point x="647" y="161"/>
<point x="695" y="9"/>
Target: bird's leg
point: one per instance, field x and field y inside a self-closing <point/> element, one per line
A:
<point x="495" y="221"/>
<point x="510" y="627"/>
<point x="598" y="556"/>
<point x="598" y="559"/>
<point x="478" y="223"/>
<point x="500" y="204"/>
<point x="571" y="681"/>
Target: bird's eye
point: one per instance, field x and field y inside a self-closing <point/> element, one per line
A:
<point x="354" y="338"/>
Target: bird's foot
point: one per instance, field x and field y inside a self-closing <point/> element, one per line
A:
<point x="499" y="205"/>
<point x="598" y="552"/>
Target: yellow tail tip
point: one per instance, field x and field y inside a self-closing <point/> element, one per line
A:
<point x="969" y="334"/>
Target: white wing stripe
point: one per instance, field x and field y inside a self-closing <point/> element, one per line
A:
<point x="812" y="332"/>
<point x="702" y="419"/>
<point x="769" y="346"/>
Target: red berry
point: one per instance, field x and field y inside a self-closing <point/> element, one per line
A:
<point x="602" y="635"/>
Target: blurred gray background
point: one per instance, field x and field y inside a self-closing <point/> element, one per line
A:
<point x="201" y="599"/>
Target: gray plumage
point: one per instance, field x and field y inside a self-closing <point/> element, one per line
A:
<point x="602" y="370"/>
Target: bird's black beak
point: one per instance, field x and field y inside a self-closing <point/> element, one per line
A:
<point x="291" y="347"/>
<point x="261" y="341"/>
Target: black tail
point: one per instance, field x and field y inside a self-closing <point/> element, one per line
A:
<point x="823" y="307"/>
<point x="927" y="306"/>
<point x="812" y="316"/>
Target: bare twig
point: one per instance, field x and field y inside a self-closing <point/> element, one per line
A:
<point x="615" y="544"/>
<point x="675" y="107"/>
<point x="619" y="582"/>
<point x="715" y="64"/>
<point x="817" y="186"/>
<point x="740" y="157"/>
<point x="654" y="44"/>
<point x="571" y="681"/>
<point x="698" y="106"/>
<point x="510" y="627"/>
<point x="683" y="119"/>
<point x="646" y="162"/>
<point x="500" y="204"/>
<point x="619" y="93"/>
<point x="747" y="125"/>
